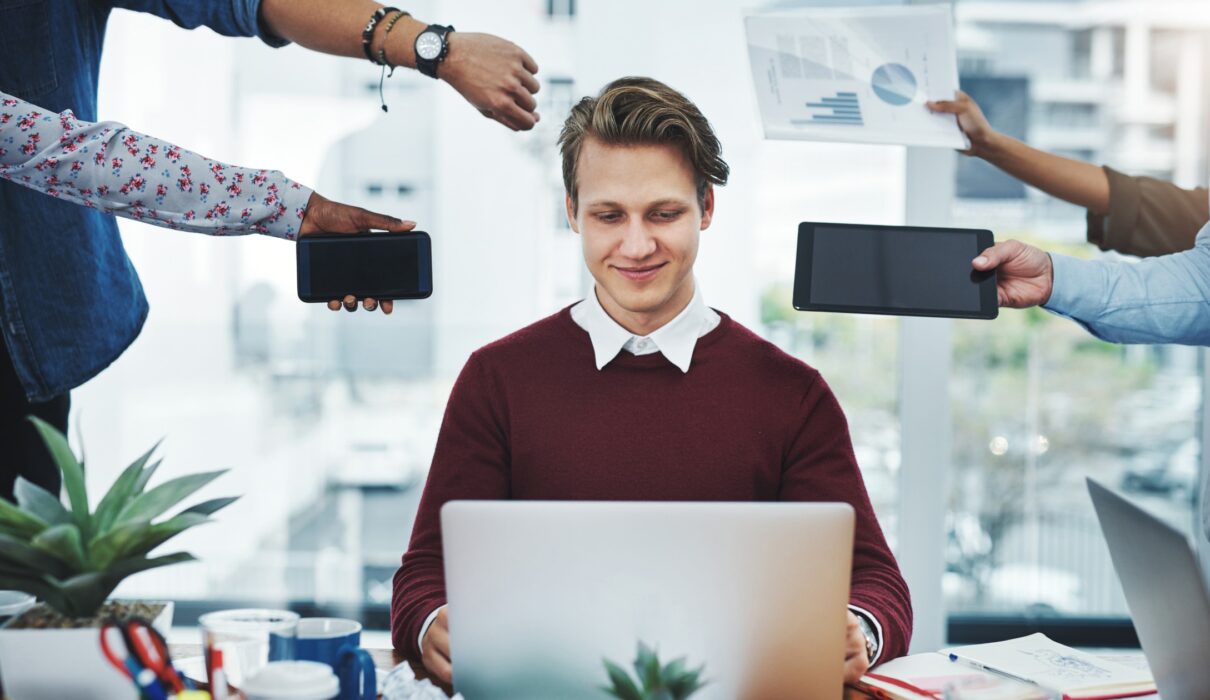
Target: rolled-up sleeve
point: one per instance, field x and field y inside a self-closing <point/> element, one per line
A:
<point x="1148" y="217"/>
<point x="226" y="17"/>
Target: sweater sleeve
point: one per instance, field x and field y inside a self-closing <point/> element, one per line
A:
<point x="470" y="463"/>
<point x="1147" y="216"/>
<point x="820" y="466"/>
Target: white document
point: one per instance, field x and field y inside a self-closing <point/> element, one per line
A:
<point x="1051" y="665"/>
<point x="861" y="75"/>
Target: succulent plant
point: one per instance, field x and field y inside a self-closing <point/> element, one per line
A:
<point x="72" y="558"/>
<point x="674" y="681"/>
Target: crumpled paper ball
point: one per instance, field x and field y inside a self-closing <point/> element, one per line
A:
<point x="401" y="684"/>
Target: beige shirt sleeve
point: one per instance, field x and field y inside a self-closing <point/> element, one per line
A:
<point x="1148" y="217"/>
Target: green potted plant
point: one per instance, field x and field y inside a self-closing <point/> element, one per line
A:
<point x="672" y="681"/>
<point x="72" y="557"/>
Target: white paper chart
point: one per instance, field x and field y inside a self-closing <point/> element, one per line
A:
<point x="860" y="74"/>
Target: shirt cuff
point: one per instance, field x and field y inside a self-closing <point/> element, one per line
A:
<point x="869" y="617"/>
<point x="428" y="622"/>
<point x="250" y="17"/>
<point x="294" y="199"/>
<point x="1078" y="288"/>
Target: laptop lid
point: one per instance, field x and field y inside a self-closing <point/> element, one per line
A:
<point x="1164" y="591"/>
<point x="541" y="592"/>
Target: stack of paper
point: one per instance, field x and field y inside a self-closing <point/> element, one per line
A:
<point x="1029" y="667"/>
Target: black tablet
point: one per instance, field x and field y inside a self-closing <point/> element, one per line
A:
<point x="893" y="270"/>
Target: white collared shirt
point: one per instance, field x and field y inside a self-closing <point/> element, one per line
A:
<point x="676" y="339"/>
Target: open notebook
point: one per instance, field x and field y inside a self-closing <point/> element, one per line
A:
<point x="1041" y="669"/>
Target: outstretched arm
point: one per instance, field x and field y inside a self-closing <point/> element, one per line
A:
<point x="493" y="74"/>
<point x="1163" y="299"/>
<point x="1071" y="180"/>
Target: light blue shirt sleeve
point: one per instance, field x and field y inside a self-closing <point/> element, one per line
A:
<point x="1164" y="299"/>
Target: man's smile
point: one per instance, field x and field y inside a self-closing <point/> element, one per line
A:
<point x="640" y="273"/>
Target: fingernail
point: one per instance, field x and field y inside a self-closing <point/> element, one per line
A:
<point x="408" y="222"/>
<point x="981" y="260"/>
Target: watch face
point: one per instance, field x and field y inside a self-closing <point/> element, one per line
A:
<point x="428" y="45"/>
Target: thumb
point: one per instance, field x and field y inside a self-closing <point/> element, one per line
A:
<point x="993" y="257"/>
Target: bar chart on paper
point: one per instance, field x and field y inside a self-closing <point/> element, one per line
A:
<point x="842" y="108"/>
<point x="856" y="74"/>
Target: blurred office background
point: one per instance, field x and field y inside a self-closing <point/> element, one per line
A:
<point x="327" y="421"/>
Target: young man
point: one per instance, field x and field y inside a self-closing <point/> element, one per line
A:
<point x="641" y="391"/>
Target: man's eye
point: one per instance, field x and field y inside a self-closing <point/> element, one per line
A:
<point x="667" y="215"/>
<point x="608" y="217"/>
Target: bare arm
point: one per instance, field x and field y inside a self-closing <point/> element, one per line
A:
<point x="495" y="75"/>
<point x="1071" y="180"/>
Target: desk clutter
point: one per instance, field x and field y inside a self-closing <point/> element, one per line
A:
<point x="1027" y="668"/>
<point x="401" y="684"/>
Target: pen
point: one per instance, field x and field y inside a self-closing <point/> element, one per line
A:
<point x="1051" y="693"/>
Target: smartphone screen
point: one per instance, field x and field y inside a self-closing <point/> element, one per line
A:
<point x="377" y="265"/>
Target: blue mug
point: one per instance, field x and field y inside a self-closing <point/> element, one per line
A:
<point x="337" y="642"/>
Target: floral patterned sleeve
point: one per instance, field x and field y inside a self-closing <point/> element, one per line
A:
<point x="109" y="167"/>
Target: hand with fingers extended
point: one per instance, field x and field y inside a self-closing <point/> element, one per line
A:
<point x="326" y="216"/>
<point x="495" y="75"/>
<point x="970" y="119"/>
<point x="1024" y="274"/>
<point x="436" y="648"/>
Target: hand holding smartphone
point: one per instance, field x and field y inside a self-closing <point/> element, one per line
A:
<point x="380" y="266"/>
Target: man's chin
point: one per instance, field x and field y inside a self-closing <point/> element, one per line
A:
<point x="638" y="303"/>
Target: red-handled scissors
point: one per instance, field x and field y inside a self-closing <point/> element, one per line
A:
<point x="144" y="658"/>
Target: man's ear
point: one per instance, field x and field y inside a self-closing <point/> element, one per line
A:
<point x="707" y="207"/>
<point x="571" y="213"/>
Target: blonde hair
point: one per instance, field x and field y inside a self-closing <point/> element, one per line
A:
<point x="642" y="111"/>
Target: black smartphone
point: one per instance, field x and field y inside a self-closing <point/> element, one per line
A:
<point x="894" y="270"/>
<point x="376" y="265"/>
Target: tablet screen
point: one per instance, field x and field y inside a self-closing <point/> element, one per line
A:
<point x="893" y="270"/>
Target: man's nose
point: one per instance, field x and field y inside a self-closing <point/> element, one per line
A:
<point x="637" y="241"/>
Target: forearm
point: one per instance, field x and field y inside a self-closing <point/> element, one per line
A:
<point x="336" y="28"/>
<point x="109" y="167"/>
<point x="1074" y="181"/>
<point x="1158" y="300"/>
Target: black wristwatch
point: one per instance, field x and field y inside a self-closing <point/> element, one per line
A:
<point x="432" y="46"/>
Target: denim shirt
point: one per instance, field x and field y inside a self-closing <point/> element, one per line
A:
<point x="1157" y="300"/>
<point x="70" y="300"/>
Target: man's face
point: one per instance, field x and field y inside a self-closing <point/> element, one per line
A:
<point x="640" y="222"/>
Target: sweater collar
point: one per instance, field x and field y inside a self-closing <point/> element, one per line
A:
<point x="675" y="339"/>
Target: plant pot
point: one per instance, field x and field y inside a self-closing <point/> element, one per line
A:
<point x="52" y="664"/>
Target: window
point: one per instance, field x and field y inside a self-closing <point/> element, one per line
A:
<point x="1039" y="404"/>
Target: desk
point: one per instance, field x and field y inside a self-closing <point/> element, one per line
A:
<point x="383" y="659"/>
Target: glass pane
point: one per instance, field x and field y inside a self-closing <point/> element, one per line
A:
<point x="1038" y="403"/>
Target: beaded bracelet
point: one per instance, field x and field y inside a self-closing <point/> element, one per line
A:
<point x="382" y="52"/>
<point x="367" y="35"/>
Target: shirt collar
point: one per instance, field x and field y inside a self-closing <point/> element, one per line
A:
<point x="675" y="339"/>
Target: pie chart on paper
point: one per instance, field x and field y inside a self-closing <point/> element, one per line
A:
<point x="894" y="83"/>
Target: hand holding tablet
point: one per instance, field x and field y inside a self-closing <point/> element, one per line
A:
<point x="893" y="270"/>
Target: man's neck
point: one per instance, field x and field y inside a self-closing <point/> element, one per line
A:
<point x="644" y="324"/>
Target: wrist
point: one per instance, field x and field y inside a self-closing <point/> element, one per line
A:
<point x="1050" y="280"/>
<point x="401" y="42"/>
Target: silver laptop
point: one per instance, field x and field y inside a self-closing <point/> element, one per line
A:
<point x="541" y="592"/>
<point x="1164" y="591"/>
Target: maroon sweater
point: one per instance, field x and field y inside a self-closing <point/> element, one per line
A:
<point x="531" y="417"/>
